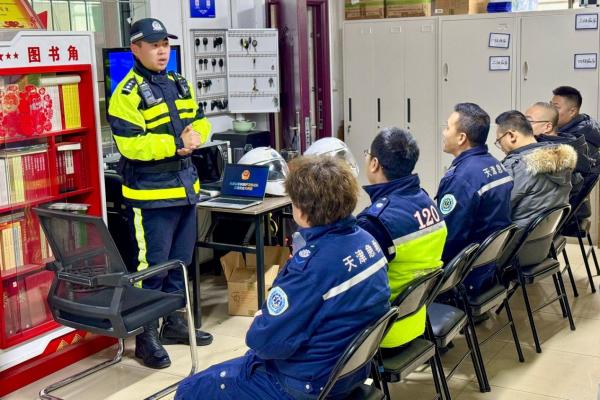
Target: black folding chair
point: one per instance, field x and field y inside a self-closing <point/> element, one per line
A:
<point x="358" y="354"/>
<point x="573" y="227"/>
<point x="418" y="294"/>
<point x="532" y="262"/>
<point x="93" y="291"/>
<point x="447" y="320"/>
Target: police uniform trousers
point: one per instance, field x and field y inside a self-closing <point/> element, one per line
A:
<point x="163" y="234"/>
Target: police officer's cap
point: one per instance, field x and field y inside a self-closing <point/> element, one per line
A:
<point x="149" y="30"/>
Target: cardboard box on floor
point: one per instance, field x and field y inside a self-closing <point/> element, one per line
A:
<point x="364" y="9"/>
<point x="241" y="277"/>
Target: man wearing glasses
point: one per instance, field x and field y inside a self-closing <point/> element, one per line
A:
<point x="541" y="172"/>
<point x="474" y="194"/>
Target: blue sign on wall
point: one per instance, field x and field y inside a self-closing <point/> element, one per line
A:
<point x="202" y="8"/>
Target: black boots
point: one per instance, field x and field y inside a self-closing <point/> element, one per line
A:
<point x="149" y="348"/>
<point x="175" y="330"/>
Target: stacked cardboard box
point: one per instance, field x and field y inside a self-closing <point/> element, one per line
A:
<point x="364" y="9"/>
<point x="372" y="9"/>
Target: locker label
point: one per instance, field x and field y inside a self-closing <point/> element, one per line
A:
<point x="499" y="40"/>
<point x="500" y="63"/>
<point x="586" y="61"/>
<point x="586" y="21"/>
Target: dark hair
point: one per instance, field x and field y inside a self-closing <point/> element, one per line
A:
<point x="474" y="122"/>
<point x="397" y="152"/>
<point x="514" y="120"/>
<point x="323" y="188"/>
<point x="553" y="118"/>
<point x="569" y="93"/>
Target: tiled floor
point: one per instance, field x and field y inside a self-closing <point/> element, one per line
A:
<point x="568" y="368"/>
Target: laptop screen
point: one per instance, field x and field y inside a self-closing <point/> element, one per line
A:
<point x="245" y="180"/>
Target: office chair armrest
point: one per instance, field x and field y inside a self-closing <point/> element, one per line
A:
<point x="112" y="280"/>
<point x="76" y="279"/>
<point x="150" y="271"/>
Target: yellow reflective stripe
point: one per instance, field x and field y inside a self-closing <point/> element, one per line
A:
<point x="187" y="115"/>
<point x="140" y="237"/>
<point x="125" y="106"/>
<point x="158" y="122"/>
<point x="158" y="194"/>
<point x="155" y="111"/>
<point x="182" y="104"/>
<point x="202" y="126"/>
<point x="148" y="147"/>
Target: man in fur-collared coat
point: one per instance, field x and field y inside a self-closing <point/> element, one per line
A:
<point x="541" y="171"/>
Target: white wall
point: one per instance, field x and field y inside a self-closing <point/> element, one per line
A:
<point x="175" y="14"/>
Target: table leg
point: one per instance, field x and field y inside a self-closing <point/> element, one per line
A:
<point x="196" y="295"/>
<point x="260" y="259"/>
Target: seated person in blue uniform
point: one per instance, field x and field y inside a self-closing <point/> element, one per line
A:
<point x="332" y="288"/>
<point x="474" y="194"/>
<point x="541" y="172"/>
<point x="404" y="220"/>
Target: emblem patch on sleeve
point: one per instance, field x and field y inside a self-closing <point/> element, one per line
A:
<point x="277" y="302"/>
<point x="447" y="204"/>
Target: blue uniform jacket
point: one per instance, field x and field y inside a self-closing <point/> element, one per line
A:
<point x="474" y="198"/>
<point x="392" y="212"/>
<point x="331" y="289"/>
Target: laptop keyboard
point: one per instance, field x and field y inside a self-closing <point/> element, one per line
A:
<point x="233" y="201"/>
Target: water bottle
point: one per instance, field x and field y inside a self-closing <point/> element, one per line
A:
<point x="495" y="6"/>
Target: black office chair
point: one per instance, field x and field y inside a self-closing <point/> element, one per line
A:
<point x="573" y="227"/>
<point x="359" y="353"/>
<point x="397" y="367"/>
<point x="117" y="219"/>
<point x="447" y="321"/>
<point x="532" y="262"/>
<point x="93" y="291"/>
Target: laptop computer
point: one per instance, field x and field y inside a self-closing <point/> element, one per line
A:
<point x="243" y="186"/>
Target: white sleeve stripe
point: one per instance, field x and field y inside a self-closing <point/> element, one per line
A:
<point x="355" y="280"/>
<point x="493" y="184"/>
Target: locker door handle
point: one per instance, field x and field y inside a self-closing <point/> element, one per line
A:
<point x="408" y="110"/>
<point x="525" y="70"/>
<point x="445" y="72"/>
<point x="349" y="109"/>
<point x="378" y="110"/>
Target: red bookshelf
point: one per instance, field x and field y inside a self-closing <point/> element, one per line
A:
<point x="49" y="152"/>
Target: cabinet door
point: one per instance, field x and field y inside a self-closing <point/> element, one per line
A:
<point x="549" y="44"/>
<point x="388" y="73"/>
<point x="420" y="108"/>
<point x="466" y="75"/>
<point x="360" y="105"/>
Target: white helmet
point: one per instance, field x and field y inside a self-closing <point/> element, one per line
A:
<point x="333" y="147"/>
<point x="278" y="169"/>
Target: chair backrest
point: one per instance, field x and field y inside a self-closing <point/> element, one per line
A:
<point x="458" y="268"/>
<point x="83" y="249"/>
<point x="419" y="293"/>
<point x="361" y="350"/>
<point x="538" y="236"/>
<point x="493" y="246"/>
<point x="589" y="183"/>
<point x="114" y="191"/>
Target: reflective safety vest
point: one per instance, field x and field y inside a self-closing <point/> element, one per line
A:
<point x="147" y="113"/>
<point x="413" y="233"/>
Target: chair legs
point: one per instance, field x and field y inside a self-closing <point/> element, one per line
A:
<point x="560" y="299"/>
<point x="45" y="392"/>
<point x="439" y="376"/>
<point x="593" y="254"/>
<point x="563" y="294"/>
<point x="475" y="348"/>
<point x="586" y="263"/>
<point x="513" y="330"/>
<point x="570" y="272"/>
<point x="536" y="340"/>
<point x="477" y="363"/>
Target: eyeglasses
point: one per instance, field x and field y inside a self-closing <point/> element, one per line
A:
<point x="497" y="142"/>
<point x="535" y="122"/>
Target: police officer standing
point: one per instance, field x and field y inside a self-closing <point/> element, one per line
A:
<point x="333" y="287"/>
<point x="404" y="220"/>
<point x="474" y="194"/>
<point x="156" y="125"/>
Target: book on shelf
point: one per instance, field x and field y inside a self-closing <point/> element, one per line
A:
<point x="11" y="232"/>
<point x="10" y="301"/>
<point x="64" y="92"/>
<point x="69" y="160"/>
<point x="25" y="174"/>
<point x="37" y="287"/>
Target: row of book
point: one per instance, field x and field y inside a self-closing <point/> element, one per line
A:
<point x="37" y="104"/>
<point x="24" y="302"/>
<point x="25" y="172"/>
<point x="23" y="243"/>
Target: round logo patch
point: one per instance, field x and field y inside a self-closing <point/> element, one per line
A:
<point x="156" y="26"/>
<point x="447" y="204"/>
<point x="304" y="253"/>
<point x="277" y="302"/>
